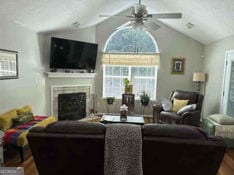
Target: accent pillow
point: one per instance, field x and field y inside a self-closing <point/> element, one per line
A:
<point x="187" y="108"/>
<point x="178" y="104"/>
<point x="6" y="119"/>
<point x="22" y="119"/>
<point x="166" y="104"/>
<point x="222" y="119"/>
<point x="24" y="110"/>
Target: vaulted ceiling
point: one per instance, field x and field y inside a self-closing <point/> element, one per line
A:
<point x="212" y="19"/>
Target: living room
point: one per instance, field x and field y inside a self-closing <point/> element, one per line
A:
<point x="28" y="27"/>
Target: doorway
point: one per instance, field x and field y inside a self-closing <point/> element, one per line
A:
<point x="228" y="85"/>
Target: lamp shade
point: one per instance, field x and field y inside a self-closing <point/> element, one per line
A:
<point x="198" y="77"/>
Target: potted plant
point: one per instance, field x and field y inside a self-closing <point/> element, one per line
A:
<point x="109" y="101"/>
<point x="128" y="87"/>
<point x="144" y="98"/>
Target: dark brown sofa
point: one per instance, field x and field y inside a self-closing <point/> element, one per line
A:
<point x="68" y="147"/>
<point x="186" y="118"/>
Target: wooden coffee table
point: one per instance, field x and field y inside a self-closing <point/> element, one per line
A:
<point x="131" y="119"/>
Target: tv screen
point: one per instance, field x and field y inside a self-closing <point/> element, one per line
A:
<point x="69" y="54"/>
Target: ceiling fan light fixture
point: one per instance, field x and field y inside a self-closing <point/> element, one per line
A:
<point x="140" y="19"/>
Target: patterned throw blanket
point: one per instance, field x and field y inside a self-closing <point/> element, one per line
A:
<point x="123" y="150"/>
<point x="11" y="135"/>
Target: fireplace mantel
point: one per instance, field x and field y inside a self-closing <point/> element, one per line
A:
<point x="70" y="75"/>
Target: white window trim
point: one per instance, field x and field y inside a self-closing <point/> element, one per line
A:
<point x="129" y="77"/>
<point x="150" y="35"/>
<point x="129" y="67"/>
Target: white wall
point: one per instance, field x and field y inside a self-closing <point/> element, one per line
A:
<point x="214" y="67"/>
<point x="87" y="35"/>
<point x="171" y="44"/>
<point x="30" y="87"/>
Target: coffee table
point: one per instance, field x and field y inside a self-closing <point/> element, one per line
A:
<point x="131" y="119"/>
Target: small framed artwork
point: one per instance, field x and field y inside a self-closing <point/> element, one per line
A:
<point x="8" y="64"/>
<point x="177" y="65"/>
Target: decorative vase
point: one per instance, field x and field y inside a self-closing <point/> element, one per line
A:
<point x="128" y="89"/>
<point x="123" y="112"/>
<point x="110" y="100"/>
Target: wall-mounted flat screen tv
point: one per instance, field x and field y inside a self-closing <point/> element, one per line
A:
<point x="70" y="54"/>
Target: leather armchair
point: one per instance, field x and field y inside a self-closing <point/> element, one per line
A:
<point x="186" y="118"/>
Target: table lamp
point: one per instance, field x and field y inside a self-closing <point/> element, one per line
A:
<point x="198" y="77"/>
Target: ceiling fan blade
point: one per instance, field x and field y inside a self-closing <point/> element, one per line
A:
<point x="167" y="15"/>
<point x="152" y="25"/>
<point x="128" y="23"/>
<point x="110" y="16"/>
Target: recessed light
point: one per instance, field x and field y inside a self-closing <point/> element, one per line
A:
<point x="76" y="24"/>
<point x="190" y="25"/>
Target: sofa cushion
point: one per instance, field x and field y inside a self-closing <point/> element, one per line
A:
<point x="178" y="104"/>
<point x="222" y="119"/>
<point x="22" y="119"/>
<point x="6" y="119"/>
<point x="174" y="131"/>
<point x="76" y="127"/>
<point x="24" y="110"/>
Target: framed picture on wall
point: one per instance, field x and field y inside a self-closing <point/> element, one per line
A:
<point x="8" y="64"/>
<point x="177" y="65"/>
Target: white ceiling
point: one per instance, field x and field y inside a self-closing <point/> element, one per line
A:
<point x="212" y="19"/>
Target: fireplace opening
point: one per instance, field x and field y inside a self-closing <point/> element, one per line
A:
<point x="71" y="106"/>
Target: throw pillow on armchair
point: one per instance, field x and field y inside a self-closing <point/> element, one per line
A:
<point x="178" y="104"/>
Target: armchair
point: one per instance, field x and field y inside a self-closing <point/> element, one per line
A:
<point x="186" y="118"/>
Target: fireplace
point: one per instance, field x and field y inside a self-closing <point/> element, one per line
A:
<point x="71" y="106"/>
<point x="70" y="95"/>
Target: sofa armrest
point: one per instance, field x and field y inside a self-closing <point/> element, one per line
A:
<point x="191" y="118"/>
<point x="157" y="109"/>
<point x="37" y="129"/>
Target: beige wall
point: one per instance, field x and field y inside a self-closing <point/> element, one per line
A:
<point x="214" y="66"/>
<point x="33" y="87"/>
<point x="171" y="44"/>
<point x="30" y="87"/>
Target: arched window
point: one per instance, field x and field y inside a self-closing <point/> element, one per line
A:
<point x="143" y="77"/>
<point x="128" y="40"/>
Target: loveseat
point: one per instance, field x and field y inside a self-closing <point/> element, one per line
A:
<point x="16" y="124"/>
<point x="78" y="147"/>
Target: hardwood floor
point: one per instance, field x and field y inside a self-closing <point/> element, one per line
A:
<point x="226" y="168"/>
<point x="13" y="160"/>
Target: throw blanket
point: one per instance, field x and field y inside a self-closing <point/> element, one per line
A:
<point x="123" y="150"/>
<point x="11" y="135"/>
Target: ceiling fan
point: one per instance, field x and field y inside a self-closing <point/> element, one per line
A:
<point x="140" y="18"/>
